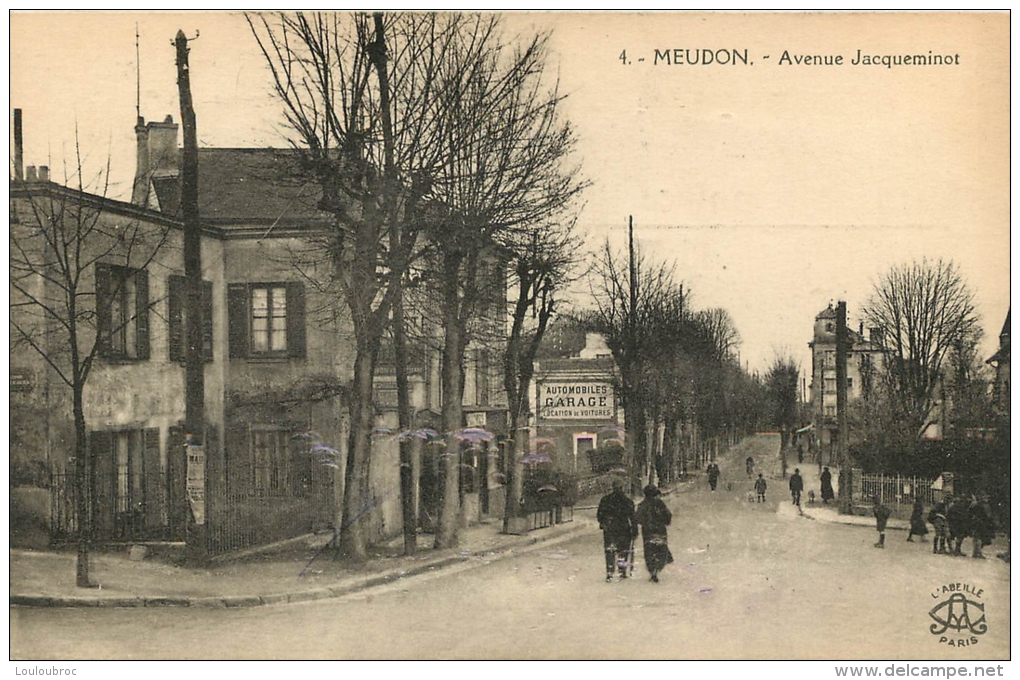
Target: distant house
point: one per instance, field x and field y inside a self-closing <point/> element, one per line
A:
<point x="1000" y="360"/>
<point x="864" y="360"/>
<point x="575" y="399"/>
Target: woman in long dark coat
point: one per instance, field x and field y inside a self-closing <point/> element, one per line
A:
<point x="917" y="524"/>
<point x="653" y="516"/>
<point x="827" y="493"/>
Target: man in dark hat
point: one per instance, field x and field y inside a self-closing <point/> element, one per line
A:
<point x="654" y="517"/>
<point x="796" y="486"/>
<point x="616" y="519"/>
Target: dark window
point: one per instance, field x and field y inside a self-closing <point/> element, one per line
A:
<point x="122" y="312"/>
<point x="271" y="461"/>
<point x="178" y="322"/>
<point x="129" y="498"/>
<point x="266" y="319"/>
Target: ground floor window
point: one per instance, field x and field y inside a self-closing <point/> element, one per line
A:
<point x="271" y="461"/>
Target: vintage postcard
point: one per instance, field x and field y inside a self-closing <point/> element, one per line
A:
<point x="523" y="335"/>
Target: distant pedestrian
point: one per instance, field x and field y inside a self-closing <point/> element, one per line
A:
<point x="713" y="475"/>
<point x="750" y="466"/>
<point x="982" y="528"/>
<point x="917" y="524"/>
<point x="796" y="486"/>
<point x="653" y="516"/>
<point x="881" y="518"/>
<point x="827" y="493"/>
<point x="937" y="517"/>
<point x="616" y="519"/>
<point x="958" y="518"/>
<point x="800" y="453"/>
<point x="759" y="487"/>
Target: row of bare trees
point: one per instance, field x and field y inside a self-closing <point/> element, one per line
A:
<point x="440" y="147"/>
<point x="678" y="369"/>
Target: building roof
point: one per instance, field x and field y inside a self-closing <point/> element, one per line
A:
<point x="1005" y="324"/>
<point x="246" y="186"/>
<point x="827" y="313"/>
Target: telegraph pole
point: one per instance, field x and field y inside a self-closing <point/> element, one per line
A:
<point x="637" y="408"/>
<point x="845" y="473"/>
<point x="194" y="392"/>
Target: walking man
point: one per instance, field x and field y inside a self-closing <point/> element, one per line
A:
<point x="750" y="466"/>
<point x="881" y="518"/>
<point x="759" y="486"/>
<point x="616" y="519"/>
<point x="796" y="486"/>
<point x="958" y="517"/>
<point x="713" y="475"/>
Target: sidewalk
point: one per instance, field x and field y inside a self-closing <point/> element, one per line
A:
<point x="300" y="573"/>
<point x="830" y="515"/>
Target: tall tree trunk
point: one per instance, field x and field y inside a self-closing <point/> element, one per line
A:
<point x="83" y="468"/>
<point x="453" y="390"/>
<point x="405" y="414"/>
<point x="357" y="498"/>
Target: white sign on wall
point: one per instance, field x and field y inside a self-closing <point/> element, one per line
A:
<point x="581" y="400"/>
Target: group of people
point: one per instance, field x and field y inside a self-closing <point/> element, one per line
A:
<point x="619" y="522"/>
<point x="954" y="519"/>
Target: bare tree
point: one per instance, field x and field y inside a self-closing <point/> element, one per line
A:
<point x="67" y="253"/>
<point x="781" y="385"/>
<point x="506" y="169"/>
<point x="372" y="144"/>
<point x="541" y="266"/>
<point x="923" y="310"/>
<point x="628" y="322"/>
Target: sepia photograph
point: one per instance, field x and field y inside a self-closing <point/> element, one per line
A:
<point x="531" y="336"/>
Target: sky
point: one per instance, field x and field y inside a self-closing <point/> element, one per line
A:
<point x="774" y="187"/>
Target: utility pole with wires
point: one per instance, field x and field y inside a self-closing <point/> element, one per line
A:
<point x="194" y="391"/>
<point x="842" y="433"/>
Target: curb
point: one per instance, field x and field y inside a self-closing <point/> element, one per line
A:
<point x="340" y="590"/>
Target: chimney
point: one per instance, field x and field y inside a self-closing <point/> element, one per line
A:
<point x="140" y="191"/>
<point x="44" y="173"/>
<point x="860" y="330"/>
<point x="19" y="147"/>
<point x="158" y="156"/>
<point x="30" y="174"/>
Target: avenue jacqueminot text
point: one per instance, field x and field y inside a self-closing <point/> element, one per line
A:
<point x="683" y="56"/>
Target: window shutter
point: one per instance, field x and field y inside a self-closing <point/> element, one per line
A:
<point x="103" y="308"/>
<point x="141" y="314"/>
<point x="104" y="483"/>
<point x="176" y="484"/>
<point x="296" y="319"/>
<point x="152" y="488"/>
<point x="237" y="319"/>
<point x="238" y="459"/>
<point x="175" y="299"/>
<point x="207" y="320"/>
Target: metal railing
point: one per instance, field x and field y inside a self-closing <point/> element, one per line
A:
<point x="892" y="489"/>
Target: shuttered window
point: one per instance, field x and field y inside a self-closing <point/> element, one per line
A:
<point x="122" y="312"/>
<point x="266" y="319"/>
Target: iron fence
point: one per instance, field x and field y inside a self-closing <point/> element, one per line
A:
<point x="892" y="489"/>
<point x="242" y="516"/>
<point x="136" y="510"/>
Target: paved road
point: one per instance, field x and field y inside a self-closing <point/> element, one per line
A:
<point x="749" y="582"/>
